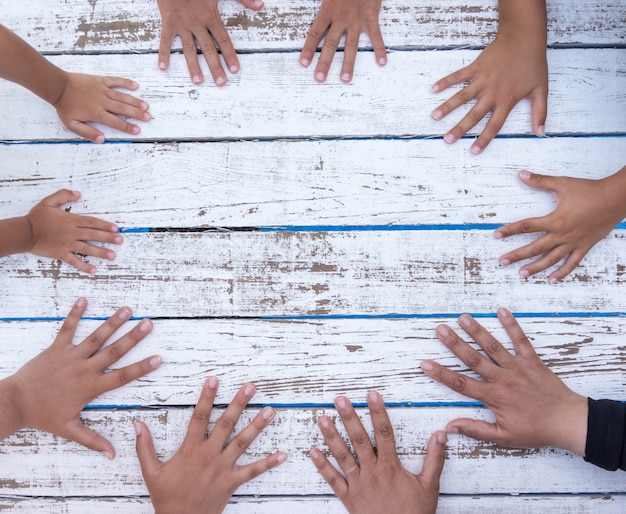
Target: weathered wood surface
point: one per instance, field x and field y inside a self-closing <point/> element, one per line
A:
<point x="262" y="184"/>
<point x="121" y="26"/>
<point x="313" y="273"/>
<point x="72" y="470"/>
<point x="274" y="97"/>
<point x="312" y="361"/>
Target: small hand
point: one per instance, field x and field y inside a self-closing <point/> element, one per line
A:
<point x="532" y="406"/>
<point x="199" y="20"/>
<point x="61" y="235"/>
<point x="587" y="210"/>
<point x="336" y="18"/>
<point x="505" y="72"/>
<point x="377" y="482"/>
<point x="202" y="476"/>
<point x="51" y="389"/>
<point x="92" y="98"/>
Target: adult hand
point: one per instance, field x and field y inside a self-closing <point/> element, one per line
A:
<point x="199" y="20"/>
<point x="377" y="482"/>
<point x="50" y="390"/>
<point x="532" y="406"/>
<point x="58" y="234"/>
<point x="586" y="211"/>
<point x="336" y="18"/>
<point x="92" y="98"/>
<point x="203" y="474"/>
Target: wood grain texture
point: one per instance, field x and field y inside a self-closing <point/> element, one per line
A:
<point x="394" y="101"/>
<point x="118" y="26"/>
<point x="312" y="273"/>
<point x="261" y="184"/>
<point x="313" y="361"/>
<point x="472" y="467"/>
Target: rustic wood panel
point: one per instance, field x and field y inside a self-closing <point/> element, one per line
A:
<point x="248" y="184"/>
<point x="312" y="273"/>
<point x="605" y="503"/>
<point x="313" y="361"/>
<point x="394" y="101"/>
<point x="472" y="467"/>
<point x="119" y="26"/>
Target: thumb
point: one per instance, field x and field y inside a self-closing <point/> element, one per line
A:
<point x="435" y="457"/>
<point x="61" y="197"/>
<point x="537" y="181"/>
<point x="252" y="4"/>
<point x="538" y="112"/>
<point x="473" y="428"/>
<point x="86" y="437"/>
<point x="145" y="450"/>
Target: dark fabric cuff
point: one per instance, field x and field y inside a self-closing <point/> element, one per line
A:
<point x="606" y="434"/>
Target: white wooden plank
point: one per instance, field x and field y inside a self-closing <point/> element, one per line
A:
<point x="42" y="465"/>
<point x="608" y="504"/>
<point x="247" y="184"/>
<point x="312" y="273"/>
<point x="291" y="104"/>
<point x="118" y="26"/>
<point x="313" y="361"/>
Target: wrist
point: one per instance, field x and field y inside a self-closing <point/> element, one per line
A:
<point x="524" y="22"/>
<point x="16" y="236"/>
<point x="613" y="190"/>
<point x="572" y="425"/>
<point x="12" y="416"/>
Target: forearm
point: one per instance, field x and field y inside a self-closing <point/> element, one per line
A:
<point x="22" y="64"/>
<point x="526" y="19"/>
<point x="15" y="236"/>
<point x="10" y="421"/>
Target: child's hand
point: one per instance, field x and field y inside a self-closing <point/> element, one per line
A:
<point x="202" y="476"/>
<point x="532" y="406"/>
<point x="376" y="481"/>
<point x="92" y="98"/>
<point x="50" y="391"/>
<point x="199" y="20"/>
<point x="587" y="210"/>
<point x="336" y="18"/>
<point x="511" y="68"/>
<point x="58" y="234"/>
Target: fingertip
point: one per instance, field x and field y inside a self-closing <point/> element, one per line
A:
<point x="320" y="76"/>
<point x="99" y="139"/>
<point x="436" y="87"/>
<point x="442" y="438"/>
<point x="443" y="330"/>
<point x="315" y="454"/>
<point x="109" y="454"/>
<point x="541" y="131"/>
<point x="305" y="61"/>
<point x="211" y="383"/>
<point x="525" y="175"/>
<point x="281" y="457"/>
<point x="452" y="429"/>
<point x="346" y="77"/>
<point x="81" y="303"/>
<point x="427" y="366"/>
<point x="138" y="428"/>
<point x="155" y="361"/>
<point x="498" y="235"/>
<point x="476" y="149"/>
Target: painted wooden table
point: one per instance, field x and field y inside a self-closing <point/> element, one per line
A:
<point x="310" y="237"/>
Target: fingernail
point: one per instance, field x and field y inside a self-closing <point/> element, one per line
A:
<point x="314" y="454"/>
<point x="162" y="65"/>
<point x="437" y="114"/>
<point x="319" y="76"/>
<point x="136" y="130"/>
<point x="442" y="437"/>
<point x="233" y="68"/>
<point x="92" y="270"/>
<point x="323" y="422"/>
<point x="498" y="235"/>
<point x="196" y="79"/>
<point x="100" y="139"/>
<point x="108" y="454"/>
<point x="427" y="365"/>
<point x="553" y="280"/>
<point x="541" y="130"/>
<point x="212" y="383"/>
<point x="475" y="149"/>
<point x="505" y="262"/>
<point x="345" y="77"/>
<point x="524" y="273"/>
<point x="305" y="62"/>
<point x="525" y="174"/>
<point x="155" y="362"/>
<point x="80" y="302"/>
<point x="248" y="390"/>
<point x="435" y="88"/>
<point x="220" y="81"/>
<point x="449" y="138"/>
<point x="465" y="321"/>
<point x="373" y="397"/>
<point x="443" y="330"/>
<point x="281" y="457"/>
<point x="146" y="116"/>
<point x="453" y="430"/>
<point x="268" y="413"/>
<point x="503" y="313"/>
<point x="118" y="240"/>
<point x="124" y="314"/>
<point x="144" y="106"/>
<point x="382" y="61"/>
<point x="145" y="326"/>
<point x="340" y="403"/>
<point x="137" y="429"/>
<point x="110" y="256"/>
<point x="76" y="193"/>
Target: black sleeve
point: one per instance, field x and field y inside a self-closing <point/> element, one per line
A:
<point x="606" y="434"/>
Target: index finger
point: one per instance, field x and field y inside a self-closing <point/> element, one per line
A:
<point x="487" y="342"/>
<point x="521" y="342"/>
<point x="226" y="424"/>
<point x="98" y="337"/>
<point x="359" y="437"/>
